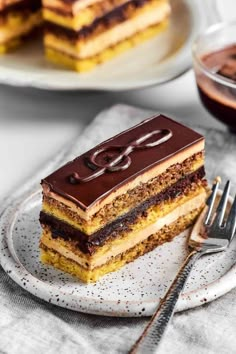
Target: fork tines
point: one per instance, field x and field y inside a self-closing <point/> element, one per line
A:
<point x="231" y="221"/>
<point x="221" y="208"/>
<point x="216" y="220"/>
<point x="211" y="200"/>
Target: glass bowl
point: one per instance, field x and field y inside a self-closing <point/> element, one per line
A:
<point x="214" y="62"/>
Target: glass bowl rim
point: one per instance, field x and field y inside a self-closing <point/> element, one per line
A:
<point x="209" y="30"/>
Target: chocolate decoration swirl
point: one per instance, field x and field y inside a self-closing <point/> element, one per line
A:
<point x="113" y="163"/>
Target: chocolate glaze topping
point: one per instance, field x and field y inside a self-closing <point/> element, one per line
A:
<point x="85" y="195"/>
<point x="89" y="244"/>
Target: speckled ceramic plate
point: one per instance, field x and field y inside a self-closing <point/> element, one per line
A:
<point x="135" y="290"/>
<point x="156" y="61"/>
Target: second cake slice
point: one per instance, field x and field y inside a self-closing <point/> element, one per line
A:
<point x="83" y="33"/>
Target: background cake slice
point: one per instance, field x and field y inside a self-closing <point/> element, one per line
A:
<point x="123" y="198"/>
<point x="83" y="33"/>
<point x="18" y="18"/>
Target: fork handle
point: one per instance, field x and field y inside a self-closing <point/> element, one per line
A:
<point x="151" y="336"/>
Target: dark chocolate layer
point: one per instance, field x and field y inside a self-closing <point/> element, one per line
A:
<point x="89" y="244"/>
<point x="119" y="14"/>
<point x="25" y="5"/>
<point x="85" y="195"/>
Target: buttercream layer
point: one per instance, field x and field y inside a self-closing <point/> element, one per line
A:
<point x="69" y="7"/>
<point x="139" y="217"/>
<point x="107" y="30"/>
<point x="191" y="168"/>
<point x="83" y="17"/>
<point x="82" y="65"/>
<point x="166" y="233"/>
<point x="145" y="164"/>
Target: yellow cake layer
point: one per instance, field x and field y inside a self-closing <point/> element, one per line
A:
<point x="142" y="227"/>
<point x="10" y="46"/>
<point x="17" y="25"/>
<point x="86" y="16"/>
<point x="166" y="234"/>
<point x="84" y="65"/>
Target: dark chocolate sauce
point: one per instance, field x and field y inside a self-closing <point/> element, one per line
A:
<point x="219" y="99"/>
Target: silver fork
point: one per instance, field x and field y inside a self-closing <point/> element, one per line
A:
<point x="212" y="233"/>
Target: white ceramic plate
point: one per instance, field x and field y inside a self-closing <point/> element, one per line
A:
<point x="156" y="61"/>
<point x="135" y="290"/>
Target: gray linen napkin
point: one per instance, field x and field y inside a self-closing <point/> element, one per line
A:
<point x="30" y="325"/>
